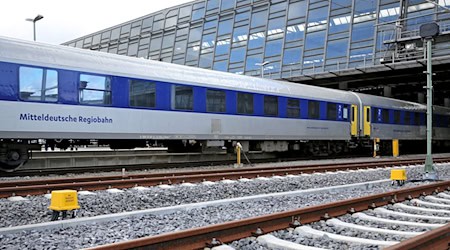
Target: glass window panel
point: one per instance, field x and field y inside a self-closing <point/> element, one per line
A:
<point x="37" y="84"/>
<point x="225" y="27"/>
<point x="338" y="4"/>
<point x="171" y="21"/>
<point x="313" y="61"/>
<point x="180" y="47"/>
<point x="297" y="10"/>
<point x="135" y="31"/>
<point x="240" y="34"/>
<point x="276" y="24"/>
<point x="337" y="48"/>
<point x="125" y="29"/>
<point x="273" y="48"/>
<point x="157" y="25"/>
<point x="318" y="16"/>
<point x="142" y="94"/>
<point x="210" y="24"/>
<point x="313" y="110"/>
<point x="195" y="34"/>
<point x="259" y="19"/>
<point x="184" y="97"/>
<point x="115" y="33"/>
<point x="198" y="14"/>
<point x="192" y="53"/>
<point x="363" y="31"/>
<point x="278" y="7"/>
<point x="331" y="111"/>
<point x="252" y="62"/>
<point x="271" y="105"/>
<point x="339" y="24"/>
<point x="155" y="44"/>
<point x="132" y="49"/>
<point x="293" y="108"/>
<point x="168" y="41"/>
<point x="363" y="7"/>
<point x="227" y="4"/>
<point x="292" y="56"/>
<point x="206" y="61"/>
<point x="389" y="12"/>
<point x="185" y="11"/>
<point x="95" y="89"/>
<point x="147" y="22"/>
<point x="212" y="4"/>
<point x="208" y="43"/>
<point x="295" y="32"/>
<point x="215" y="101"/>
<point x="256" y="40"/>
<point x="96" y="39"/>
<point x="237" y="55"/>
<point x="315" y="40"/>
<point x="221" y="66"/>
<point x="222" y="47"/>
<point x="244" y="103"/>
<point x="242" y="16"/>
<point x="106" y="35"/>
<point x="361" y="54"/>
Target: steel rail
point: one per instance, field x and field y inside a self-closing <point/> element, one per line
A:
<point x="199" y="238"/>
<point x="32" y="187"/>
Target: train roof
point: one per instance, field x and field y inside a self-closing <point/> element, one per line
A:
<point x="58" y="56"/>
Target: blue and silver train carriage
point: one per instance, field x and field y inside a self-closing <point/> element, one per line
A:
<point x="69" y="96"/>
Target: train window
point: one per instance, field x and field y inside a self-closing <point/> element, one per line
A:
<point x="352" y="115"/>
<point x="293" y="108"/>
<point x="184" y="97"/>
<point x="95" y="89"/>
<point x="215" y="101"/>
<point x="396" y="117"/>
<point x="244" y="103"/>
<point x="313" y="109"/>
<point x="375" y="115"/>
<point x="270" y="105"/>
<point x="331" y="111"/>
<point x="37" y="84"/>
<point x="142" y="94"/>
<point x="385" y="115"/>
<point x="407" y="118"/>
<point x="416" y="118"/>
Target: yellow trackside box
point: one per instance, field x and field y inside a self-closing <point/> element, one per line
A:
<point x="398" y="175"/>
<point x="64" y="200"/>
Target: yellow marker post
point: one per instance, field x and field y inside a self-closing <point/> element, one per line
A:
<point x="376" y="147"/>
<point x="238" y="155"/>
<point x="395" y="148"/>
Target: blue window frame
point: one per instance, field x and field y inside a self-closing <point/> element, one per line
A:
<point x="252" y="61"/>
<point x="237" y="55"/>
<point x="295" y="32"/>
<point x="259" y="19"/>
<point x="225" y="27"/>
<point x="297" y="9"/>
<point x="363" y="31"/>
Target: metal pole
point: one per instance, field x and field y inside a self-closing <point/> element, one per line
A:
<point x="430" y="172"/>
<point x="34" y="30"/>
<point x="262" y="71"/>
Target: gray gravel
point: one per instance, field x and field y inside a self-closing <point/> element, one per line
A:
<point x="129" y="228"/>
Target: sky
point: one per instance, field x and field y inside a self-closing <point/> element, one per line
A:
<point x="67" y="20"/>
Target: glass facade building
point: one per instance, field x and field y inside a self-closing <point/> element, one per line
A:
<point x="291" y="38"/>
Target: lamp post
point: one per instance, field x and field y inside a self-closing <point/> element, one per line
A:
<point x="428" y="32"/>
<point x="34" y="20"/>
<point x="262" y="67"/>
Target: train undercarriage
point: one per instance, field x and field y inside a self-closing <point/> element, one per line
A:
<point x="14" y="153"/>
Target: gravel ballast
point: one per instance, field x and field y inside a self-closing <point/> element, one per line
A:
<point x="20" y="213"/>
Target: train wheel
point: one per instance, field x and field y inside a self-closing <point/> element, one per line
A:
<point x="11" y="159"/>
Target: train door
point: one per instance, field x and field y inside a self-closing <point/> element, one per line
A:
<point x="354" y="120"/>
<point x="367" y="123"/>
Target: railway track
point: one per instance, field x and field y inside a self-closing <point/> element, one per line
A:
<point x="215" y="235"/>
<point x="37" y="187"/>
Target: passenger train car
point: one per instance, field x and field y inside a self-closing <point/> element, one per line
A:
<point x="68" y="96"/>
